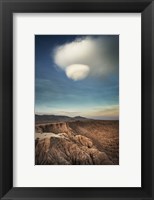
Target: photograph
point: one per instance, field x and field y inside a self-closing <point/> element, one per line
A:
<point x="76" y="100"/>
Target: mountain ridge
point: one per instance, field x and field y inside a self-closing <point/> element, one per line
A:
<point x="57" y="118"/>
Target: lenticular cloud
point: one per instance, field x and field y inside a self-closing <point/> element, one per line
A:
<point x="87" y="56"/>
<point x="77" y="71"/>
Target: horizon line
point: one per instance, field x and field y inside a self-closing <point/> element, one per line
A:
<point x="95" y="117"/>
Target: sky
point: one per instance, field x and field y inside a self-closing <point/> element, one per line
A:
<point x="77" y="75"/>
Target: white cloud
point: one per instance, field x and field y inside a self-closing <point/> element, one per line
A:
<point x="100" y="54"/>
<point x="77" y="71"/>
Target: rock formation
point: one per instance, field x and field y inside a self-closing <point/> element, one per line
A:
<point x="67" y="149"/>
<point x="85" y="142"/>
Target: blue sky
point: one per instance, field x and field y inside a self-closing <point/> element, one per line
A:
<point x="77" y="75"/>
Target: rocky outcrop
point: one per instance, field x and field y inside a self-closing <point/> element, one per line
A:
<point x="52" y="128"/>
<point x="91" y="140"/>
<point x="67" y="149"/>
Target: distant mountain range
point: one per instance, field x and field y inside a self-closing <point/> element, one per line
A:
<point x="57" y="118"/>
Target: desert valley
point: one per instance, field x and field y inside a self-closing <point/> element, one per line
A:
<point x="62" y="140"/>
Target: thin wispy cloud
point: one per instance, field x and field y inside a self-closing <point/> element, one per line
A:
<point x="106" y="111"/>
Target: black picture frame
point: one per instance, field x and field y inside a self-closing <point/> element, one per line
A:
<point x="7" y="8"/>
